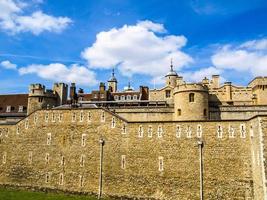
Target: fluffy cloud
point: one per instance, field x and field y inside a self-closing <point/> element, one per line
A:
<point x="255" y="44"/>
<point x="248" y="57"/>
<point x="13" y="20"/>
<point x="59" y="72"/>
<point x="137" y="49"/>
<point x="198" y="75"/>
<point x="8" y="65"/>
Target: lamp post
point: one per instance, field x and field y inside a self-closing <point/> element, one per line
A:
<point x="101" y="143"/>
<point x="200" y="147"/>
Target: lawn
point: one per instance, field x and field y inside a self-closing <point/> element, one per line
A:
<point x="11" y="194"/>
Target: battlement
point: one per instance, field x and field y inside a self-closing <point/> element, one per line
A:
<point x="258" y="81"/>
<point x="195" y="87"/>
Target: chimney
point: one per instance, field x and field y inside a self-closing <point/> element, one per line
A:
<point x="102" y="87"/>
<point x="144" y="91"/>
<point x="215" y="81"/>
<point x="73" y="91"/>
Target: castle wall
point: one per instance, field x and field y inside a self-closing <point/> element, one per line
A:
<point x="227" y="94"/>
<point x="160" y="95"/>
<point x="132" y="159"/>
<point x="237" y="112"/>
<point x="146" y="114"/>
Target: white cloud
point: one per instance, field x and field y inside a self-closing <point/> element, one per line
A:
<point x="39" y="22"/>
<point x="199" y="75"/>
<point x="137" y="49"/>
<point x="13" y="21"/>
<point x="59" y="72"/>
<point x="248" y="57"/>
<point x="8" y="65"/>
<point x="255" y="44"/>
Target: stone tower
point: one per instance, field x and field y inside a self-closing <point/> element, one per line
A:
<point x="112" y="82"/>
<point x="191" y="102"/>
<point x="259" y="90"/>
<point x="40" y="98"/>
<point x="171" y="77"/>
<point x="61" y="90"/>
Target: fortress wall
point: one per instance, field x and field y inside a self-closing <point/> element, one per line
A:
<point x="146" y="114"/>
<point x="227" y="160"/>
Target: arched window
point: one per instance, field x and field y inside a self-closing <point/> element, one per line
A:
<point x="191" y="97"/>
<point x="179" y="112"/>
<point x="205" y="112"/>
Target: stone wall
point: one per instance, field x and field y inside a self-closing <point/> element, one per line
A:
<point x="59" y="149"/>
<point x="146" y="114"/>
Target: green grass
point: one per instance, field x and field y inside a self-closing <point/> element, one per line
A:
<point x="12" y="194"/>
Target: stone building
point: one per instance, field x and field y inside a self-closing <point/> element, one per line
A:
<point x="184" y="141"/>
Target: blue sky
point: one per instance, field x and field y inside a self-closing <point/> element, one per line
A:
<point x="44" y="41"/>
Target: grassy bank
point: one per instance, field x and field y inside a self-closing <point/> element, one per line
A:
<point x="13" y="194"/>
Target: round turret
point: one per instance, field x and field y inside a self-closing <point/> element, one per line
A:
<point x="191" y="102"/>
<point x="171" y="77"/>
<point x="112" y="82"/>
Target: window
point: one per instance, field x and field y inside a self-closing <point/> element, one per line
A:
<point x="62" y="162"/>
<point x="20" y="109"/>
<point x="49" y="138"/>
<point x="53" y="117"/>
<point x="4" y="158"/>
<point x="18" y="130"/>
<point x="251" y="131"/>
<point x="26" y="123"/>
<point x="122" y="97"/>
<point x="167" y="93"/>
<point x="191" y="97"/>
<point x="103" y="116"/>
<point x="231" y="131"/>
<point x="178" y="131"/>
<point x="113" y="122"/>
<point x="40" y="99"/>
<point x="205" y="112"/>
<point x="81" y="116"/>
<point x="89" y="117"/>
<point x="35" y="118"/>
<point x="220" y="131"/>
<point x="47" y="177"/>
<point x="61" y="179"/>
<point x="30" y="158"/>
<point x="124" y="128"/>
<point x="242" y="131"/>
<point x="123" y="162"/>
<point x="160" y="131"/>
<point x="150" y="131"/>
<point x="46" y="117"/>
<point x="129" y="97"/>
<point x="82" y="160"/>
<point x="102" y="96"/>
<point x="135" y="97"/>
<point x="81" y="181"/>
<point x="8" y="108"/>
<point x="95" y="96"/>
<point x="199" y="131"/>
<point x="189" y="132"/>
<point x="46" y="158"/>
<point x="60" y="117"/>
<point x="160" y="163"/>
<point x="179" y="112"/>
<point x="73" y="118"/>
<point x="83" y="140"/>
<point x="116" y="97"/>
<point x="140" y="131"/>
